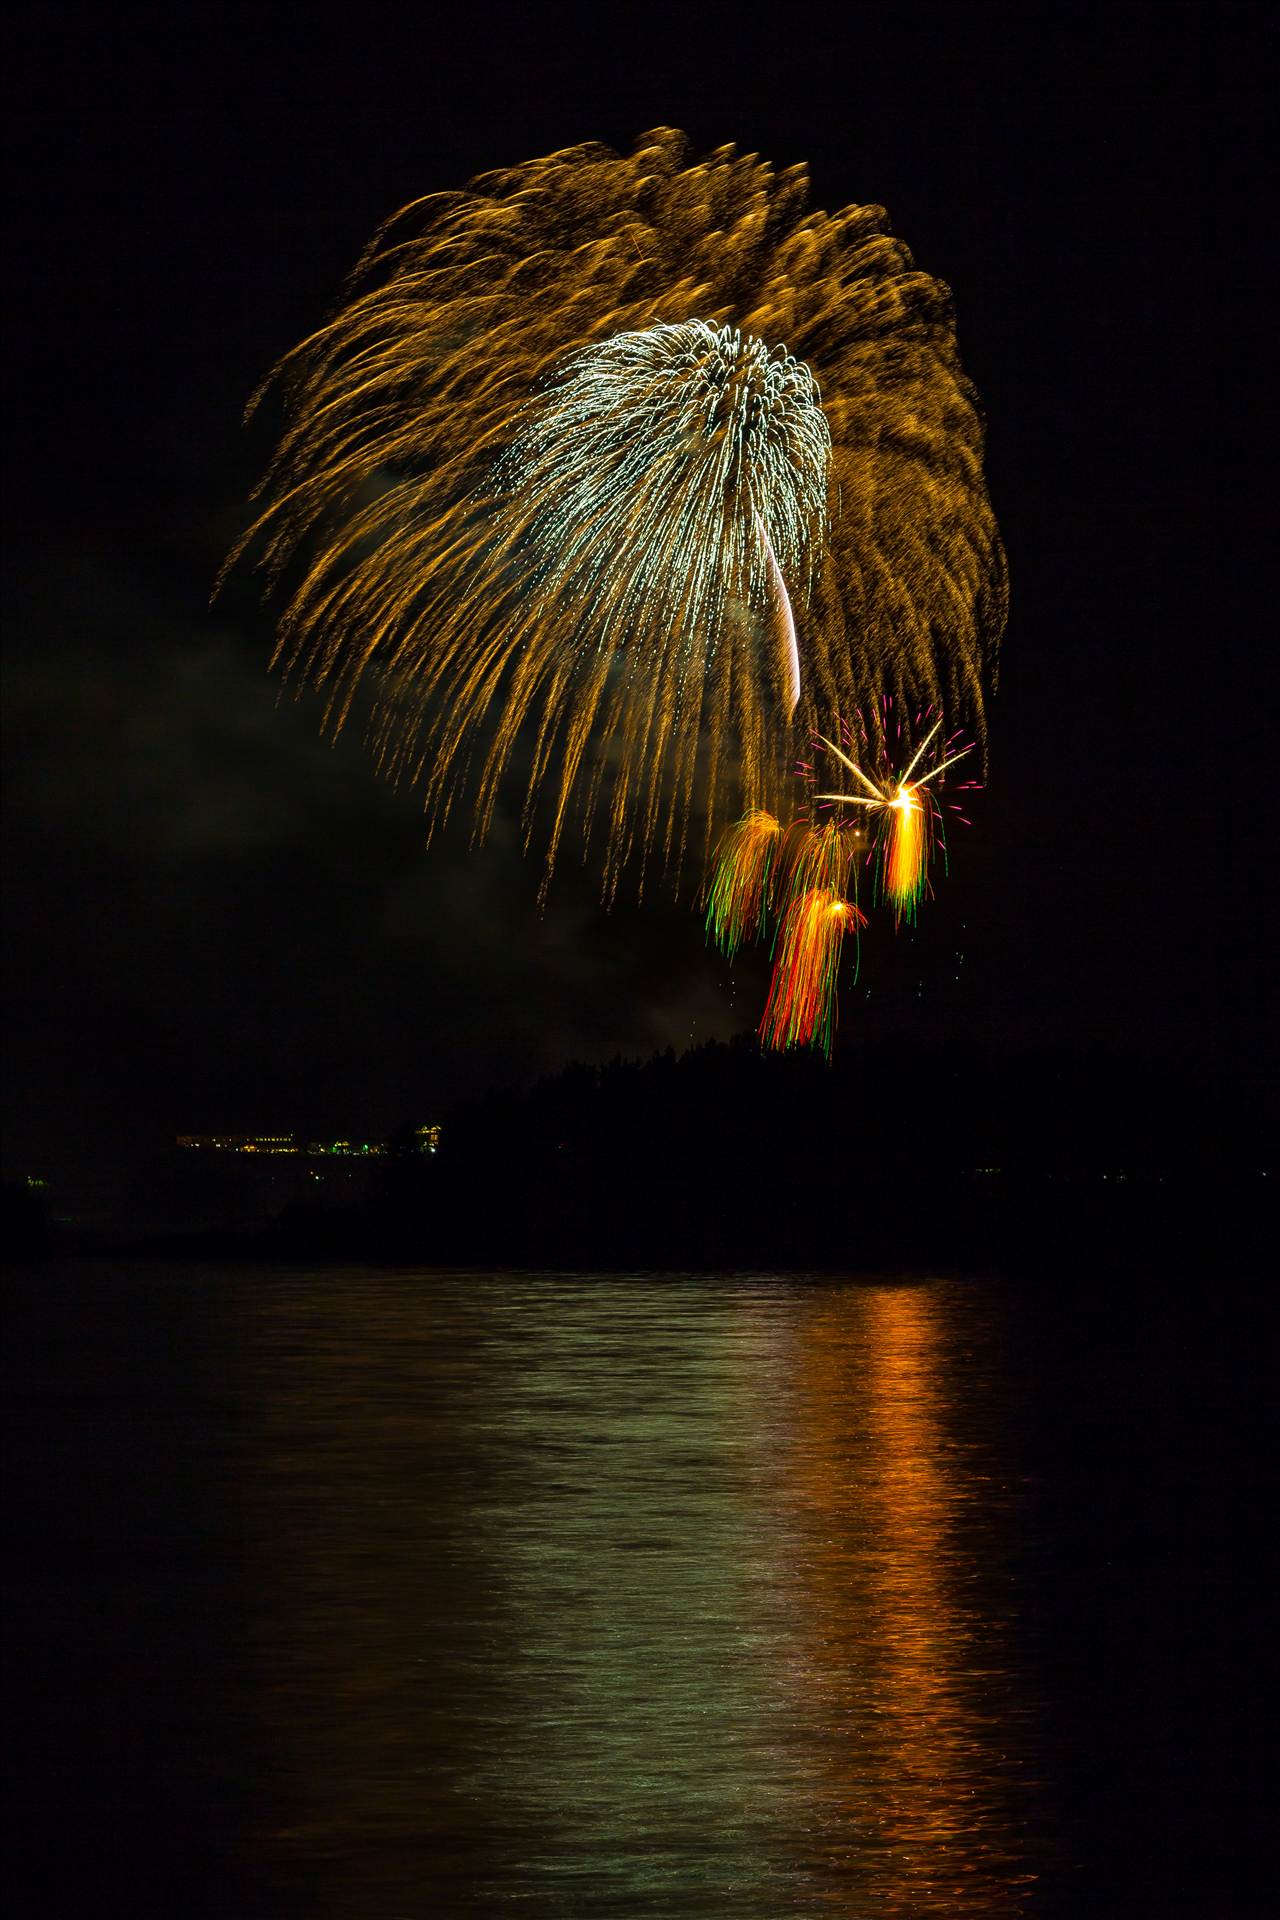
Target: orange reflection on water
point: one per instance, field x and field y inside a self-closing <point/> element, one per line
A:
<point x="901" y="1652"/>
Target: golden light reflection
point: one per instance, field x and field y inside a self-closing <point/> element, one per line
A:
<point x="901" y="1661"/>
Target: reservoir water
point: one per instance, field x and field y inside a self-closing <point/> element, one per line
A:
<point x="383" y="1593"/>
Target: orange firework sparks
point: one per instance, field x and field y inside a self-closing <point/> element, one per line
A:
<point x="740" y="887"/>
<point x="904" y="869"/>
<point x="905" y="812"/>
<point x="817" y="856"/>
<point x="801" y="1008"/>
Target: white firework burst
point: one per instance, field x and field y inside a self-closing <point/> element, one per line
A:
<point x="668" y="476"/>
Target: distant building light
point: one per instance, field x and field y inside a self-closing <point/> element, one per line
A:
<point x="240" y="1142"/>
<point x="286" y="1143"/>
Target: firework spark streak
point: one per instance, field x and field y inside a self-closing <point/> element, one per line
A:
<point x="740" y="891"/>
<point x="906" y="865"/>
<point x="788" y="618"/>
<point x="801" y="1008"/>
<point x="816" y="856"/>
<point x="609" y="474"/>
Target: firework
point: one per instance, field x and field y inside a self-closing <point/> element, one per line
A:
<point x="790" y="646"/>
<point x="801" y="1007"/>
<point x="816" y="855"/>
<point x="611" y="472"/>
<point x="906" y="818"/>
<point x="906" y="863"/>
<point x="738" y="897"/>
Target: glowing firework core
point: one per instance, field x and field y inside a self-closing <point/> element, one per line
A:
<point x="905" y="868"/>
<point x="681" y="471"/>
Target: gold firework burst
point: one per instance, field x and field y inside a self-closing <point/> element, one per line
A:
<point x="614" y="475"/>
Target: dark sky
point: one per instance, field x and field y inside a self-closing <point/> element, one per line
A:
<point x="216" y="919"/>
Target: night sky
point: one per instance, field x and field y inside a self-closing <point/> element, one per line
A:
<point x="217" y="919"/>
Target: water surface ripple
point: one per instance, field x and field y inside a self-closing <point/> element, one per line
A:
<point x="636" y="1596"/>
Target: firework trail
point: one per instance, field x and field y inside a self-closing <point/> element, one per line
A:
<point x="613" y="471"/>
<point x="741" y="884"/>
<point x="801" y="1007"/>
<point x="791" y="648"/>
